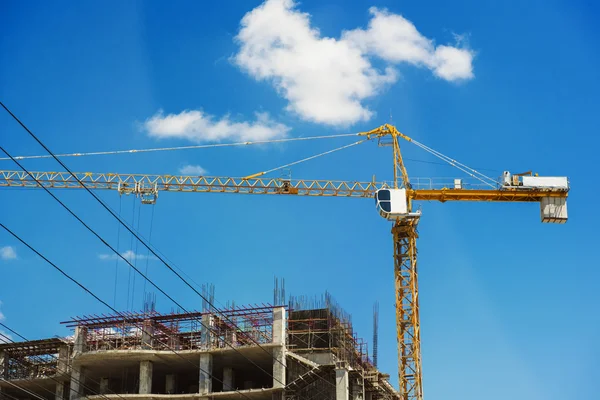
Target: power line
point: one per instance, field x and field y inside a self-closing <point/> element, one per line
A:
<point x="132" y="256"/>
<point x="136" y="236"/>
<point x="8" y="396"/>
<point x="107" y="305"/>
<point x="132" y="266"/>
<point x="51" y="377"/>
<point x="27" y="391"/>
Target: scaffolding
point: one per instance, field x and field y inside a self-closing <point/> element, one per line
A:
<point x="34" y="359"/>
<point x="197" y="330"/>
<point x="320" y="324"/>
<point x="319" y="344"/>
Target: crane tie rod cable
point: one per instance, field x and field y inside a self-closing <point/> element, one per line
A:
<point x="305" y="159"/>
<point x="200" y="146"/>
<point x="466" y="169"/>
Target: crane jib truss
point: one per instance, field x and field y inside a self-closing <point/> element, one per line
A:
<point x="139" y="184"/>
<point x="404" y="230"/>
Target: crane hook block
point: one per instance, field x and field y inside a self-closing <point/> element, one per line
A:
<point x="392" y="204"/>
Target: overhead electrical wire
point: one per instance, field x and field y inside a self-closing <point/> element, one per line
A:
<point x="7" y="396"/>
<point x="137" y="237"/>
<point x="9" y="340"/>
<point x="27" y="391"/>
<point x="148" y="252"/>
<point x="125" y="317"/>
<point x="136" y="269"/>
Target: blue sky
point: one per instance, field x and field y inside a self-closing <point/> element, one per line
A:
<point x="507" y="304"/>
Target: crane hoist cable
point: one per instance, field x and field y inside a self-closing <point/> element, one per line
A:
<point x="129" y="252"/>
<point x="148" y="252"/>
<point x="117" y="259"/>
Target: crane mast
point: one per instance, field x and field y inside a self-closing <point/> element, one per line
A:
<point x="394" y="202"/>
<point x="404" y="234"/>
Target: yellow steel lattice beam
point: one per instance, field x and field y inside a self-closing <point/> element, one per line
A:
<point x="130" y="183"/>
<point x="405" y="236"/>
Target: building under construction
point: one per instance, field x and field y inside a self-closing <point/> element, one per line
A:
<point x="306" y="349"/>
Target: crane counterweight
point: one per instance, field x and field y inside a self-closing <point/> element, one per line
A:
<point x="552" y="209"/>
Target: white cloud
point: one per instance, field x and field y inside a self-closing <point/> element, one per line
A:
<point x="129" y="255"/>
<point x="192" y="170"/>
<point x="395" y="39"/>
<point x="197" y="126"/>
<point x="8" y="253"/>
<point x="326" y="80"/>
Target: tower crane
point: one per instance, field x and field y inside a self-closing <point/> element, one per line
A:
<point x="393" y="201"/>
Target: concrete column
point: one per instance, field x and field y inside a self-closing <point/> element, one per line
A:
<point x="77" y="382"/>
<point x="147" y="334"/>
<point x="80" y="340"/>
<point x="358" y="389"/>
<point x="59" y="394"/>
<point x="170" y="384"/>
<point x="341" y="384"/>
<point x="77" y="372"/>
<point x="279" y="322"/>
<point x="206" y="370"/>
<point x="145" y="377"/>
<point x="103" y="385"/>
<point x="279" y="367"/>
<point x="63" y="360"/>
<point x="228" y="377"/>
<point x="206" y="334"/>
<point x="3" y="365"/>
<point x="279" y="337"/>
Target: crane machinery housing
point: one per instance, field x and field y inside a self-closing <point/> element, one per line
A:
<point x="393" y="201"/>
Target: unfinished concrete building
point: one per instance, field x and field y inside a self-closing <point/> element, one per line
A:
<point x="305" y="350"/>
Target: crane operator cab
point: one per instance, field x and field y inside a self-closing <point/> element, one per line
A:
<point x="392" y="204"/>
